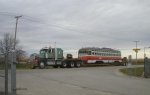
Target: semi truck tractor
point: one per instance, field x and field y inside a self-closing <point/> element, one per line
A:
<point x="54" y="57"/>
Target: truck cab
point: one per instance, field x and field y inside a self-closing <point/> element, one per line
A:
<point x="54" y="57"/>
<point x="50" y="56"/>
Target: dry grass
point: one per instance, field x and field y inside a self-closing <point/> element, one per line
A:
<point x="138" y="71"/>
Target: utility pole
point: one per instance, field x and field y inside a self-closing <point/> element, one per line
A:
<point x="6" y="68"/>
<point x="13" y="64"/>
<point x="55" y="53"/>
<point x="144" y="51"/>
<point x="136" y="51"/>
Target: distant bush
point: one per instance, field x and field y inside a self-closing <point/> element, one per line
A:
<point x="23" y="65"/>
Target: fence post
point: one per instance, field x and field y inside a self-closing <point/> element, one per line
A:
<point x="129" y="61"/>
<point x="13" y="73"/>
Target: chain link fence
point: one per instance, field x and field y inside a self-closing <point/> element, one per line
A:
<point x="147" y="68"/>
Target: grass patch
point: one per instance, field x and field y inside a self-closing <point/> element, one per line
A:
<point x="18" y="66"/>
<point x="23" y="66"/>
<point x="138" y="71"/>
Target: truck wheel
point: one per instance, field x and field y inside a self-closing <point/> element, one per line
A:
<point x="71" y="64"/>
<point x="78" y="65"/>
<point x="63" y="65"/>
<point x="42" y="65"/>
<point x="124" y="64"/>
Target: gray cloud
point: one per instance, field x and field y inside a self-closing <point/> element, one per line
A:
<point x="77" y="23"/>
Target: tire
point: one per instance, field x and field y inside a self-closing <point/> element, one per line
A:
<point x="71" y="64"/>
<point x="42" y="65"/>
<point x="124" y="64"/>
<point x="63" y="65"/>
<point x="78" y="65"/>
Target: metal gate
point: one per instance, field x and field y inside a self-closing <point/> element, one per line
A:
<point x="147" y="68"/>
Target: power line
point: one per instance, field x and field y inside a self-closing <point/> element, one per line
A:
<point x="7" y="14"/>
<point x="32" y="19"/>
<point x="29" y="18"/>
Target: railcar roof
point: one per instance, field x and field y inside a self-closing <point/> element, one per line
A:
<point x="96" y="48"/>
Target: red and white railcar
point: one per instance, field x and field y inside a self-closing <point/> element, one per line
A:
<point x="99" y="55"/>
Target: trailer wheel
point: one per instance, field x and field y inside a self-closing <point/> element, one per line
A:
<point x="78" y="65"/>
<point x="71" y="64"/>
<point x="42" y="65"/>
<point x="124" y="64"/>
<point x="63" y="65"/>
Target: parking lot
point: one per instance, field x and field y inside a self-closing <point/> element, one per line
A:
<point x="80" y="81"/>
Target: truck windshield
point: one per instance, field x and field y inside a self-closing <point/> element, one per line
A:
<point x="43" y="51"/>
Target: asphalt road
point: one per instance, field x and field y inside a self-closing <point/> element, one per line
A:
<point x="80" y="81"/>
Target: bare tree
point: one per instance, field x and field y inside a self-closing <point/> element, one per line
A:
<point x="20" y="54"/>
<point x="7" y="44"/>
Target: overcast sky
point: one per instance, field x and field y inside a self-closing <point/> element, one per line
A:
<point x="74" y="24"/>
